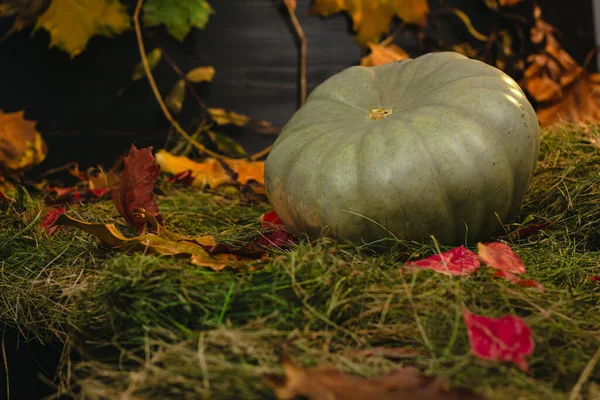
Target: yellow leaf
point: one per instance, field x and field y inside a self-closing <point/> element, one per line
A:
<point x="21" y="146"/>
<point x="210" y="172"/>
<point x="372" y="18"/>
<point x="225" y="117"/>
<point x="153" y="59"/>
<point x="383" y="54"/>
<point x="72" y="23"/>
<point x="201" y="74"/>
<point x="175" y="99"/>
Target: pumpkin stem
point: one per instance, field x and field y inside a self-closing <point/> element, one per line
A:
<point x="380" y="113"/>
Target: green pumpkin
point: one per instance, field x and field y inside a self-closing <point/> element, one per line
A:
<point x="438" y="145"/>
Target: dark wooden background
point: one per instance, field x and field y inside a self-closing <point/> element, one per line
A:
<point x="90" y="102"/>
<point x="89" y="110"/>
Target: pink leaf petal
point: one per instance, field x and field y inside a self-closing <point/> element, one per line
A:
<point x="457" y="261"/>
<point x="500" y="339"/>
<point x="500" y="256"/>
<point x="49" y="219"/>
<point x="518" y="281"/>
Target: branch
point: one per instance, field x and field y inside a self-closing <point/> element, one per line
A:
<point x="159" y="99"/>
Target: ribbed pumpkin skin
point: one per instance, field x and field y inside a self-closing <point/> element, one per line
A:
<point x="460" y="147"/>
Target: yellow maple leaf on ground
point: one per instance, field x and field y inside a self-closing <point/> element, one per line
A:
<point x="72" y="23"/>
<point x="372" y="18"/>
<point x="21" y="146"/>
<point x="211" y="172"/>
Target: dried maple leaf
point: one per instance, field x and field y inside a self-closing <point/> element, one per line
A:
<point x="137" y="187"/>
<point x="21" y="146"/>
<point x="382" y="54"/>
<point x="457" y="261"/>
<point x="372" y="18"/>
<point x="500" y="339"/>
<point x="71" y="23"/>
<point x="50" y="218"/>
<point x="211" y="171"/>
<point x="330" y="384"/>
<point x="500" y="256"/>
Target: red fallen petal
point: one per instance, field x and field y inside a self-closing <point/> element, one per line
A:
<point x="529" y="230"/>
<point x="270" y="219"/>
<point x="500" y="339"/>
<point x="518" y="281"/>
<point x="185" y="178"/>
<point x="278" y="238"/>
<point x="49" y="219"/>
<point x="98" y="192"/>
<point x="61" y="192"/>
<point x="457" y="261"/>
<point x="500" y="256"/>
<point x="595" y="278"/>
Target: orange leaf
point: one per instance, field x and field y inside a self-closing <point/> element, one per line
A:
<point x="383" y="54"/>
<point x="500" y="256"/>
<point x="21" y="146"/>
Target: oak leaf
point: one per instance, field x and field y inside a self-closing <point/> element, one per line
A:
<point x="500" y="339"/>
<point x="71" y="23"/>
<point x="136" y="190"/>
<point x="329" y="384"/>
<point x="178" y="16"/>
<point x="382" y="54"/>
<point x="21" y="146"/>
<point x="211" y="172"/>
<point x="456" y="261"/>
<point x="372" y="18"/>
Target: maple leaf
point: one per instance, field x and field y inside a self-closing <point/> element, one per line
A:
<point x="21" y="146"/>
<point x="71" y="23"/>
<point x="500" y="256"/>
<point x="382" y="54"/>
<point x="47" y="223"/>
<point x="270" y="219"/>
<point x="137" y="187"/>
<point x="457" y="261"/>
<point x="211" y="172"/>
<point x="500" y="339"/>
<point x="330" y="384"/>
<point x="372" y="18"/>
<point x="178" y="16"/>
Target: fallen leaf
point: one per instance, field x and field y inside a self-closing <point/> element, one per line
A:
<point x="372" y="18"/>
<point x="137" y="187"/>
<point x="500" y="256"/>
<point x="178" y="16"/>
<point x="499" y="339"/>
<point x="71" y="23"/>
<point x="21" y="146"/>
<point x="201" y="74"/>
<point x="457" y="261"/>
<point x="330" y="384"/>
<point x="270" y="219"/>
<point x="595" y="278"/>
<point x="279" y="238"/>
<point x="185" y="178"/>
<point x="521" y="282"/>
<point x="382" y="54"/>
<point x="50" y="218"/>
<point x="529" y="230"/>
<point x="153" y="57"/>
<point x="211" y="172"/>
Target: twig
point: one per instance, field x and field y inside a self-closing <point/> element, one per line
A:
<point x="587" y="371"/>
<point x="289" y="5"/>
<point x="159" y="99"/>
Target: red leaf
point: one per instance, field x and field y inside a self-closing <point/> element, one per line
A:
<point x="270" y="219"/>
<point x="457" y="261"/>
<point x="186" y="178"/>
<point x="518" y="281"/>
<point x="278" y="238"/>
<point x="49" y="219"/>
<point x="500" y="256"/>
<point x="500" y="339"/>
<point x="137" y="187"/>
<point x="595" y="278"/>
<point x="98" y="192"/>
<point x="529" y="230"/>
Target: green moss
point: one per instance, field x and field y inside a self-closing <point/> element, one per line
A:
<point x="158" y="327"/>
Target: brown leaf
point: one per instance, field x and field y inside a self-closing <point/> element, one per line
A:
<point x="21" y="146"/>
<point x="383" y="54"/>
<point x="372" y="18"/>
<point x="137" y="187"/>
<point x="330" y="384"/>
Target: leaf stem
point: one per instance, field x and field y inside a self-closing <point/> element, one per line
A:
<point x="159" y="99"/>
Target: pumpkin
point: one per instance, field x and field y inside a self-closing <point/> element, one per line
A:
<point x="440" y="145"/>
